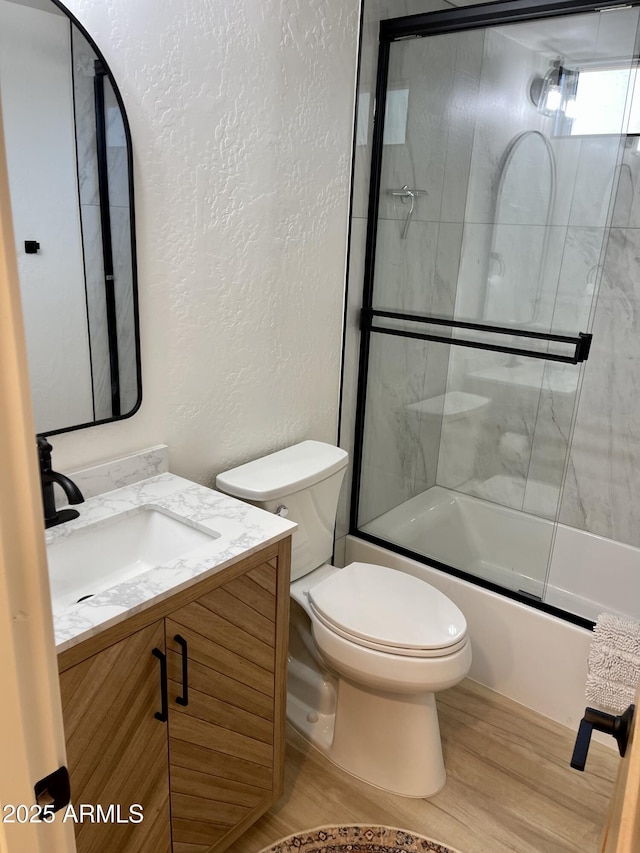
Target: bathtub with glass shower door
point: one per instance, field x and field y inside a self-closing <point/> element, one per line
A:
<point x="499" y="158"/>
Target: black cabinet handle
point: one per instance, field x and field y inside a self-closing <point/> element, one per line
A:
<point x="617" y="727"/>
<point x="164" y="713"/>
<point x="184" y="699"/>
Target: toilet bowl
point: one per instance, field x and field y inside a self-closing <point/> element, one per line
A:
<point x="369" y="645"/>
<point x="391" y="641"/>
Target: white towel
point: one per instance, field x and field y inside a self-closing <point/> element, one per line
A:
<point x="614" y="662"/>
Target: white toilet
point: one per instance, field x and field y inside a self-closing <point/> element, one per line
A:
<point x="369" y="645"/>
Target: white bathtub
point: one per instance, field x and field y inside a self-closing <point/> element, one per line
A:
<point x="533" y="657"/>
<point x="570" y="569"/>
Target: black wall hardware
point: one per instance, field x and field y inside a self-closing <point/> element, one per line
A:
<point x="54" y="791"/>
<point x="184" y="699"/>
<point x="486" y="15"/>
<point x="162" y="715"/>
<point x="617" y="727"/>
<point x="31" y="247"/>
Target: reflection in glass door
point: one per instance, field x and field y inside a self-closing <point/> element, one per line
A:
<point x="494" y="167"/>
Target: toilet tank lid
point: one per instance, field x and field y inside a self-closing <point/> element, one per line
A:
<point x="284" y="472"/>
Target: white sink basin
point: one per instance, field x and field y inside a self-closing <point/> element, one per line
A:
<point x="102" y="555"/>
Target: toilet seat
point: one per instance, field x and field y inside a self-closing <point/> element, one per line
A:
<point x="379" y="608"/>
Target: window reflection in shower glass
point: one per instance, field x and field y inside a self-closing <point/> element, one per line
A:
<point x="606" y="101"/>
<point x="395" y="123"/>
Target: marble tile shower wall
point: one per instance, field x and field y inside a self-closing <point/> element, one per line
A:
<point x="602" y="485"/>
<point x="521" y="443"/>
<point x="504" y="438"/>
<point x="83" y="95"/>
<point x="386" y="484"/>
<point x="418" y="273"/>
<point x="459" y="123"/>
<point x="602" y="481"/>
<point x="522" y="447"/>
<point x="83" y="81"/>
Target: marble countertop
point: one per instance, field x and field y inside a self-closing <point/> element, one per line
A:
<point x="242" y="528"/>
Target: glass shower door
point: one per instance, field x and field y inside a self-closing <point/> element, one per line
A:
<point x="488" y="220"/>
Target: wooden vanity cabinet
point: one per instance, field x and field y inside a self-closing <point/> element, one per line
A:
<point x="221" y="744"/>
<point x="208" y="772"/>
<point x="116" y="749"/>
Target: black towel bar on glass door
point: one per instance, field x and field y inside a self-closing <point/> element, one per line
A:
<point x="581" y="341"/>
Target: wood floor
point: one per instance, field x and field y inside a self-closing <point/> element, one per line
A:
<point x="509" y="786"/>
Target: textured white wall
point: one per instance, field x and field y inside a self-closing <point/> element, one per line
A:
<point x="241" y="115"/>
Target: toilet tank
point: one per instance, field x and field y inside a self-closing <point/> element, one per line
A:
<point x="306" y="479"/>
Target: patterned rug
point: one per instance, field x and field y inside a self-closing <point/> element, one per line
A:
<point x="357" y="839"/>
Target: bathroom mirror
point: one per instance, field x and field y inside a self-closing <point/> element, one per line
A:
<point x="524" y="202"/>
<point x="70" y="180"/>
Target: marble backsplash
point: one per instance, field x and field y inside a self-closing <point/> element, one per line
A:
<point x="116" y="473"/>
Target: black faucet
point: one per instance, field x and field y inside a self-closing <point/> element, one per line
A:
<point x="47" y="478"/>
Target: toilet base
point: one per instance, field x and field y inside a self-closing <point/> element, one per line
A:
<point x="389" y="741"/>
